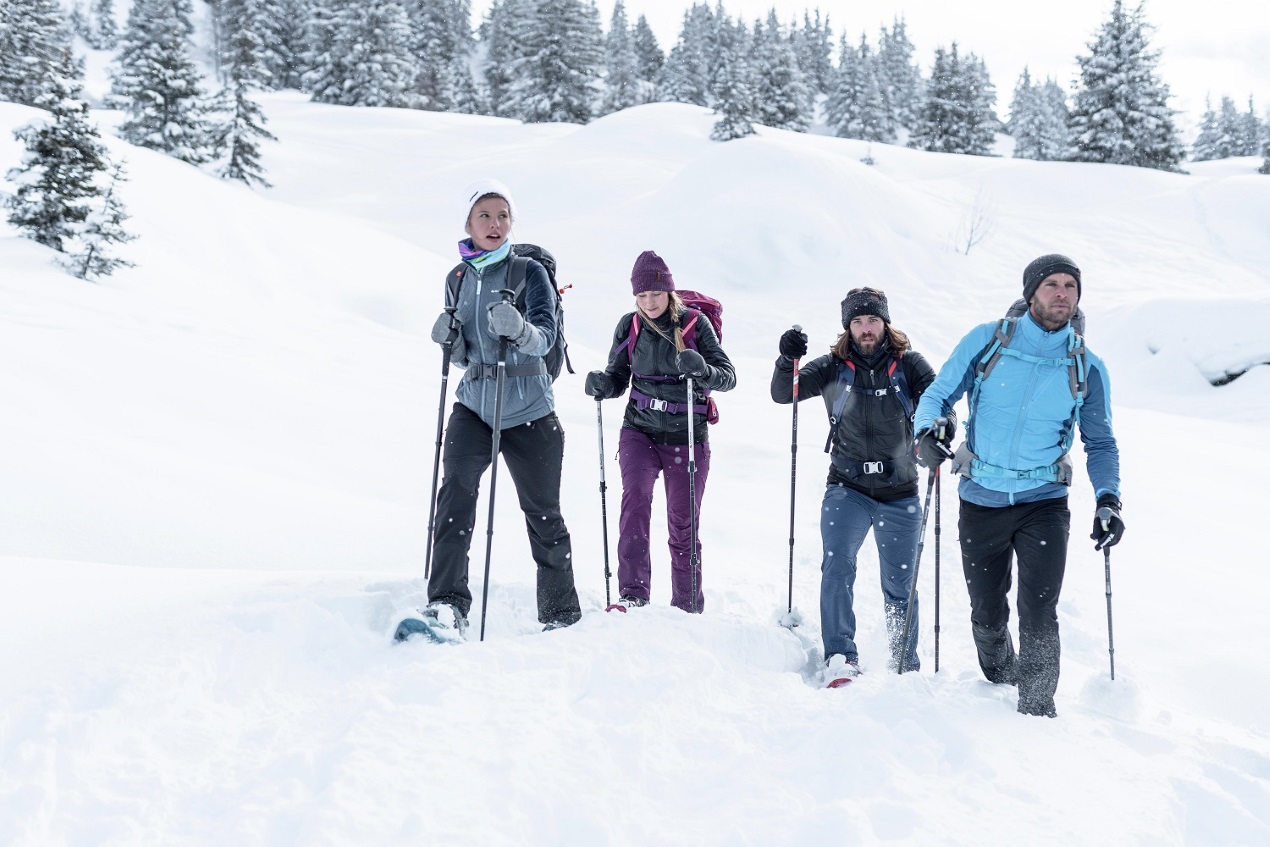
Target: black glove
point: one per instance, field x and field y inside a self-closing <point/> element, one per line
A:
<point x="598" y="384"/>
<point x="931" y="449"/>
<point x="691" y="364"/>
<point x="794" y="343"/>
<point x="1108" y="526"/>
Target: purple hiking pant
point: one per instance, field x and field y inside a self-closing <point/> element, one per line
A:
<point x="641" y="461"/>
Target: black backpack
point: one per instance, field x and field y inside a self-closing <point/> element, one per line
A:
<point x="558" y="355"/>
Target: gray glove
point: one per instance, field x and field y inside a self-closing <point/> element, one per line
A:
<point x="448" y="330"/>
<point x="506" y="321"/>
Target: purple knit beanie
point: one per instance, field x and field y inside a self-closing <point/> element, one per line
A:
<point x="651" y="274"/>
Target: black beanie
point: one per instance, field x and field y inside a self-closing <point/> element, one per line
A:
<point x="864" y="301"/>
<point x="1042" y="267"/>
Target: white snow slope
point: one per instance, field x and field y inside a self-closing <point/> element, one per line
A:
<point x="214" y="474"/>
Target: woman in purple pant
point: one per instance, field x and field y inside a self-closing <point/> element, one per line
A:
<point x="655" y="348"/>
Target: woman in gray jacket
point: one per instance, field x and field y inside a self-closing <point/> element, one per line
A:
<point x="531" y="439"/>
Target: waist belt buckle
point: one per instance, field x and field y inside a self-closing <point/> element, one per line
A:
<point x="658" y="405"/>
<point x="881" y="392"/>
<point x="872" y="467"/>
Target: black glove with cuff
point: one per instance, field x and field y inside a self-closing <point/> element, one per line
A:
<point x="691" y="363"/>
<point x="1108" y="525"/>
<point x="598" y="385"/>
<point x="932" y="450"/>
<point x="793" y="343"/>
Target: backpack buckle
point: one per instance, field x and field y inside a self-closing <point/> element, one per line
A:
<point x="658" y="405"/>
<point x="872" y="467"/>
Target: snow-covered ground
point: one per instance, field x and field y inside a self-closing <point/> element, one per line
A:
<point x="214" y="472"/>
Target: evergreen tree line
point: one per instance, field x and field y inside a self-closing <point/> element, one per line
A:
<point x="1120" y="112"/>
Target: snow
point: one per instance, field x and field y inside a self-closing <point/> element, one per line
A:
<point x="214" y="471"/>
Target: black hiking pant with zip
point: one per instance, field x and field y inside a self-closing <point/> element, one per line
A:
<point x="533" y="453"/>
<point x="1035" y="533"/>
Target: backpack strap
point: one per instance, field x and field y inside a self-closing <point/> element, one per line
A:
<point x="846" y="384"/>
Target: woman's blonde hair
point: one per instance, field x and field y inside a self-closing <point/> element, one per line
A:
<point x="675" y="306"/>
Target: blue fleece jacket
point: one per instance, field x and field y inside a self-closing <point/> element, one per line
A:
<point x="1023" y="413"/>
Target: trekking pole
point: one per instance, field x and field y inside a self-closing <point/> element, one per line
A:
<point x="938" y="501"/>
<point x="692" y="496"/>
<point x="447" y="350"/>
<point x="912" y="589"/>
<point x="604" y="509"/>
<point x="793" y="487"/>
<point x="931" y="477"/>
<point x="500" y="381"/>
<point x="1104" y="515"/>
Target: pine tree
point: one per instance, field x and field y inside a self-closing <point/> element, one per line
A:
<point x="441" y="34"/>
<point x="240" y="135"/>
<point x="781" y="93"/>
<point x="368" y="62"/>
<point x="58" y="180"/>
<point x="282" y="27"/>
<point x="1120" y="113"/>
<point x="1249" y="131"/>
<point x="1265" y="165"/>
<point x="956" y="114"/>
<point x="34" y="38"/>
<point x="813" y="46"/>
<point x="855" y="106"/>
<point x="103" y="31"/>
<point x="156" y="84"/>
<point x="899" y="76"/>
<point x="1038" y="120"/>
<point x="647" y="50"/>
<point x="1205" y="147"/>
<point x="685" y="76"/>
<point x="734" y="99"/>
<point x="555" y="79"/>
<point x="501" y="36"/>
<point x="622" y="89"/>
<point x="91" y="257"/>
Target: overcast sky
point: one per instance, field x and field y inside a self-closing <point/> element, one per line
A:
<point x="1217" y="47"/>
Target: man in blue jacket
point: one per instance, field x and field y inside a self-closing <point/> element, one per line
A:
<point x="1031" y="384"/>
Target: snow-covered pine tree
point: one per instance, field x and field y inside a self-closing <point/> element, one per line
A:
<point x="77" y="21"/>
<point x="502" y="33"/>
<point x="1120" y="113"/>
<point x="957" y="113"/>
<point x="282" y="27"/>
<point x="368" y="62"/>
<point x="103" y="29"/>
<point x="733" y="96"/>
<point x="899" y="76"/>
<point x="621" y="80"/>
<point x="156" y="83"/>
<point x="58" y="179"/>
<point x="557" y="76"/>
<point x="34" y="38"/>
<point x="91" y="257"/>
<point x="1038" y="120"/>
<point x="685" y="76"/>
<point x="1206" y="141"/>
<point x="1265" y="165"/>
<point x="813" y="45"/>
<point x="441" y="33"/>
<point x="1250" y="130"/>
<point x="243" y="129"/>
<point x="647" y="50"/>
<point x="858" y="109"/>
<point x="783" y="98"/>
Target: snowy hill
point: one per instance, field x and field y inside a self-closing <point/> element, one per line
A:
<point x="214" y="471"/>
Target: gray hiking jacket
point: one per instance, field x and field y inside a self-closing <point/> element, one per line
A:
<point x="525" y="398"/>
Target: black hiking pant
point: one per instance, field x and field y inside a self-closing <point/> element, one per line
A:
<point x="1035" y="533"/>
<point x="533" y="453"/>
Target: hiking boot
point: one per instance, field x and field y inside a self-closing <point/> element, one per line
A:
<point x="561" y="620"/>
<point x="443" y="616"/>
<point x="838" y="671"/>
<point x="631" y="602"/>
<point x="1040" y="710"/>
